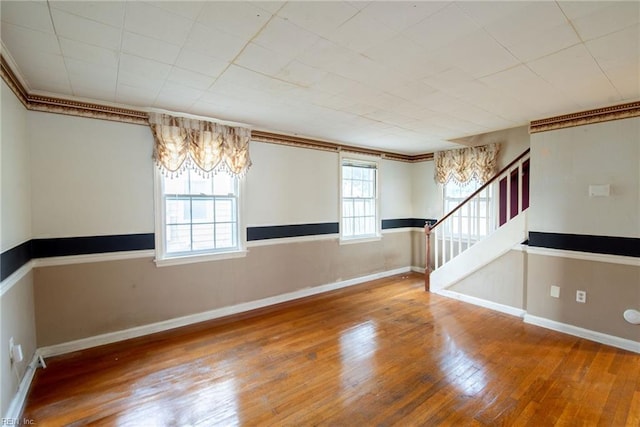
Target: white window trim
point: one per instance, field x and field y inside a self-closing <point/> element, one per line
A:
<point x="162" y="260"/>
<point x="378" y="232"/>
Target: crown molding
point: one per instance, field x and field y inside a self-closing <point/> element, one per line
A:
<point x="598" y="115"/>
<point x="52" y="104"/>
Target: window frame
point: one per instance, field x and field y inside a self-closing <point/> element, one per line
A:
<point x="377" y="234"/>
<point x="164" y="259"/>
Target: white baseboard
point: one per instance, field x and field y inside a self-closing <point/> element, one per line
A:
<point x="599" y="337"/>
<point x="17" y="403"/>
<point x="152" y="328"/>
<point x="507" y="309"/>
<point x="418" y="269"/>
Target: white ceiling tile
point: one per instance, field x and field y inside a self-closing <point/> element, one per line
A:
<point x="106" y="12"/>
<point x="177" y="91"/>
<point x="240" y="19"/>
<point x="269" y="6"/>
<point x="202" y="64"/>
<point x="150" y="48"/>
<point x="89" y="53"/>
<point x="617" y="16"/>
<point x="334" y="84"/>
<point x="319" y="17"/>
<point x="85" y="30"/>
<point x="527" y="23"/>
<point x="448" y="78"/>
<point x="401" y="15"/>
<point x="93" y="93"/>
<point x="18" y="38"/>
<point x="146" y="19"/>
<point x="487" y="12"/>
<point x="413" y="90"/>
<point x="301" y="74"/>
<point x="29" y="14"/>
<point x="477" y="54"/>
<point x="361" y="32"/>
<point x="262" y="60"/>
<point x="140" y="92"/>
<point x="43" y="60"/>
<point x="190" y="79"/>
<point x="578" y="9"/>
<point x="545" y="43"/>
<point x="145" y="68"/>
<point x="186" y="8"/>
<point x="626" y="79"/>
<point x="53" y="86"/>
<point x="442" y="27"/>
<point x="283" y="36"/>
<point x="616" y="48"/>
<point x="214" y="43"/>
<point x="87" y="74"/>
<point x="567" y="67"/>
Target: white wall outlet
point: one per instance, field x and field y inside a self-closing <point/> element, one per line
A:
<point x="555" y="291"/>
<point x="581" y="296"/>
<point x="11" y="349"/>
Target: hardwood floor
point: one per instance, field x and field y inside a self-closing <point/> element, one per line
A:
<point x="383" y="353"/>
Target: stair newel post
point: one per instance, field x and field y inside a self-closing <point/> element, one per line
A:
<point x="427" y="266"/>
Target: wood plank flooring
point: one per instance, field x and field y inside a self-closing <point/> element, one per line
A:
<point x="382" y="353"/>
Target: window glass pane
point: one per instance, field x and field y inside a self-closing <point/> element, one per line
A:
<point x="224" y="184"/>
<point x="357" y="189"/>
<point x="346" y="172"/>
<point x="346" y="188"/>
<point x="200" y="185"/>
<point x="348" y="227"/>
<point x="224" y="236"/>
<point x="178" y="211"/>
<point x="202" y="210"/>
<point x="178" y="185"/>
<point x="347" y="208"/>
<point x="369" y="225"/>
<point x="202" y="237"/>
<point x="357" y="173"/>
<point x="224" y="210"/>
<point x="369" y="208"/>
<point x="178" y="238"/>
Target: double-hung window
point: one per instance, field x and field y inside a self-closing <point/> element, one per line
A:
<point x="473" y="219"/>
<point x="359" y="200"/>
<point x="197" y="216"/>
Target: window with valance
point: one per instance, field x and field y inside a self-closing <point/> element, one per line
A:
<point x="198" y="191"/>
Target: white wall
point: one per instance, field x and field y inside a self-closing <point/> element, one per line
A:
<point x="90" y="177"/>
<point x="563" y="165"/>
<point x="17" y="318"/>
<point x="395" y="190"/>
<point x="15" y="189"/>
<point x="425" y="192"/>
<point x="289" y="185"/>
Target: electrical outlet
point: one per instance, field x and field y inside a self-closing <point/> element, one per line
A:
<point x="581" y="296"/>
<point x="555" y="291"/>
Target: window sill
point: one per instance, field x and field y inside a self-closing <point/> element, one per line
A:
<point x="191" y="259"/>
<point x="353" y="240"/>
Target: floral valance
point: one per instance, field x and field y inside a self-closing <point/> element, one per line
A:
<point x="207" y="147"/>
<point x="466" y="164"/>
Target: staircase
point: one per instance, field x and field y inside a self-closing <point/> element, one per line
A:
<point x="486" y="225"/>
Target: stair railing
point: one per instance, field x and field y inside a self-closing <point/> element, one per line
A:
<point x="479" y="215"/>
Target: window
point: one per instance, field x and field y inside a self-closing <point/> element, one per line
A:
<point x="359" y="200"/>
<point x="197" y="216"/>
<point x="473" y="219"/>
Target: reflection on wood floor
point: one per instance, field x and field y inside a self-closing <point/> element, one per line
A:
<point x="382" y="353"/>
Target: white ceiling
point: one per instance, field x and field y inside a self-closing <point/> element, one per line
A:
<point x="399" y="76"/>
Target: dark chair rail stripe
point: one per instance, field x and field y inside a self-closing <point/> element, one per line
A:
<point x="609" y="245"/>
<point x="11" y="260"/>
<point x="66" y="246"/>
<point x="406" y="222"/>
<point x="297" y="230"/>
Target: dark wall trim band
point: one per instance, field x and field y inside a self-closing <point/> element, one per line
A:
<point x="298" y="230"/>
<point x="14" y="258"/>
<point x="624" y="246"/>
<point x="66" y="246"/>
<point x="406" y="222"/>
